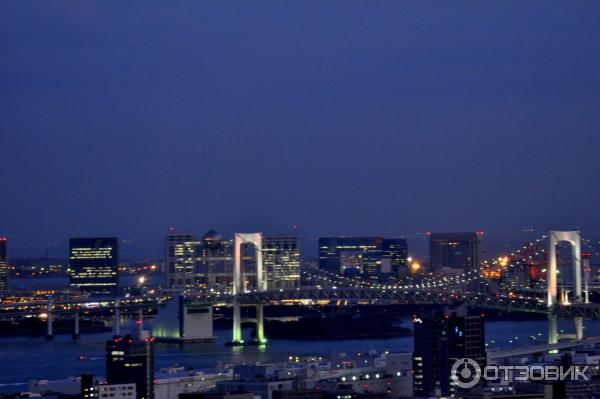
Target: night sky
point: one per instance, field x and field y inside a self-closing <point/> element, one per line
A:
<point x="341" y="117"/>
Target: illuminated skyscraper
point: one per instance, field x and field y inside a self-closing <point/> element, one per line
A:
<point x="395" y="251"/>
<point x="342" y="254"/>
<point x="440" y="338"/>
<point x="371" y="256"/>
<point x="3" y="266"/>
<point x="281" y="260"/>
<point x="181" y="252"/>
<point x="454" y="251"/>
<point x="215" y="262"/>
<point x="93" y="264"/>
<point x="130" y="361"/>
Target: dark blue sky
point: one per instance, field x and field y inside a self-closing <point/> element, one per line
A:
<point x="344" y="117"/>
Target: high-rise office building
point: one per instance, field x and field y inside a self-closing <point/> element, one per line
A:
<point x="130" y="361"/>
<point x="454" y="251"/>
<point x="367" y="255"/>
<point x="440" y="338"/>
<point x="3" y="266"/>
<point x="181" y="253"/>
<point x="215" y="261"/>
<point x="93" y="264"/>
<point x="395" y="250"/>
<point x="342" y="254"/>
<point x="281" y="261"/>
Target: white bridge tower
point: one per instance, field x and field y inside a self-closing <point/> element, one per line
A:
<point x="261" y="285"/>
<point x="573" y="237"/>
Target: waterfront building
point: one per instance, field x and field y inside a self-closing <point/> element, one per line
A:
<point x="93" y="264"/>
<point x="454" y="252"/>
<point x="440" y="338"/>
<point x="181" y="321"/>
<point x="281" y="261"/>
<point x="131" y="361"/>
<point x="4" y="268"/>
<point x="370" y="256"/>
<point x="181" y="252"/>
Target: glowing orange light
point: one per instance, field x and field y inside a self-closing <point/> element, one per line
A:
<point x="415" y="267"/>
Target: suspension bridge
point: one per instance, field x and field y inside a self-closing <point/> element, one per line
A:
<point x="337" y="289"/>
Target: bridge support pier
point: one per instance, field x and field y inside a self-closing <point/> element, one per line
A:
<point x="554" y="336"/>
<point x="260" y="325"/>
<point x="237" y="326"/>
<point x="578" y="328"/>
<point x="49" y="321"/>
<point x="552" y="329"/>
<point x="76" y="334"/>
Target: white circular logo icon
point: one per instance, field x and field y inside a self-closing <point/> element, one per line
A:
<point x="465" y="373"/>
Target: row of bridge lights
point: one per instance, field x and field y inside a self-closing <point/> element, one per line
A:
<point x="429" y="283"/>
<point x="511" y="340"/>
<point x="511" y="261"/>
<point x="443" y="281"/>
<point x="426" y="282"/>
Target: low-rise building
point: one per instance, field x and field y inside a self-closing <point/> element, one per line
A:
<point x="174" y="381"/>
<point x="116" y="391"/>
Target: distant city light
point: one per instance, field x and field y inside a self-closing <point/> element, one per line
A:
<point x="415" y="267"/>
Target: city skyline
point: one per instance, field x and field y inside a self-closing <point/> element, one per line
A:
<point x="494" y="242"/>
<point x="271" y="199"/>
<point x="340" y="118"/>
